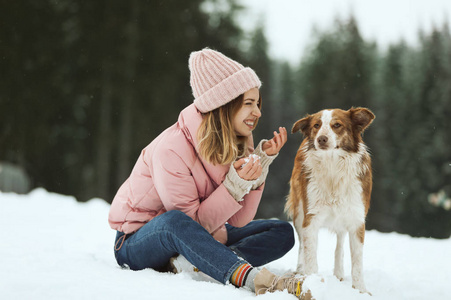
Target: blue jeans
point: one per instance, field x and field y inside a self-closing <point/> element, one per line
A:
<point x="174" y="233"/>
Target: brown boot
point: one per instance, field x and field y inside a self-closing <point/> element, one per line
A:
<point x="267" y="282"/>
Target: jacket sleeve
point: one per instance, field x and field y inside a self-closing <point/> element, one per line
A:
<point x="249" y="208"/>
<point x="177" y="190"/>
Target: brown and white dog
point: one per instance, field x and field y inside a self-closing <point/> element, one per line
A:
<point x="331" y="187"/>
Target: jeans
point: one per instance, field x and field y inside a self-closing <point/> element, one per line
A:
<point x="174" y="233"/>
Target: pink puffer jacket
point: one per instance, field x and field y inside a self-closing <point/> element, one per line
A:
<point x="169" y="175"/>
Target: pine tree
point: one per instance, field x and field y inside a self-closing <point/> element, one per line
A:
<point x="336" y="73"/>
<point x="89" y="84"/>
<point x="428" y="140"/>
<point x="392" y="99"/>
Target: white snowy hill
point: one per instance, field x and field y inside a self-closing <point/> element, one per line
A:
<point x="53" y="247"/>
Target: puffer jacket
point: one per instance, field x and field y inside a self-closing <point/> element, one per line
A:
<point x="170" y="175"/>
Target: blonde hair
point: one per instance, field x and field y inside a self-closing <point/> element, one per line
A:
<point x="218" y="143"/>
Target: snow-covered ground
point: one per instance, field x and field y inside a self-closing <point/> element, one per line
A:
<point x="53" y="247"/>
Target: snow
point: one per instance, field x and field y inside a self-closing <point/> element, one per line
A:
<point x="53" y="247"/>
<point x="254" y="157"/>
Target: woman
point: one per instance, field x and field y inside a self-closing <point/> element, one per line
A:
<point x="195" y="189"/>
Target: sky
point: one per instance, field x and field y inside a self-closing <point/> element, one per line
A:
<point x="54" y="247"/>
<point x="289" y="23"/>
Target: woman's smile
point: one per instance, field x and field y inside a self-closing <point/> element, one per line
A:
<point x="247" y="116"/>
<point x="250" y="123"/>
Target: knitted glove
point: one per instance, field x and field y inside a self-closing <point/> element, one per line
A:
<point x="237" y="186"/>
<point x="265" y="160"/>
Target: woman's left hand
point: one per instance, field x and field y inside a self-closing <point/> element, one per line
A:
<point x="273" y="146"/>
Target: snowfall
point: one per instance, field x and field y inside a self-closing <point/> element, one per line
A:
<point x="54" y="247"/>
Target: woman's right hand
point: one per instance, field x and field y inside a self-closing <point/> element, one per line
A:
<point x="251" y="171"/>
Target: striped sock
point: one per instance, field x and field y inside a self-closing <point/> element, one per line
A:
<point x="239" y="276"/>
<point x="249" y="282"/>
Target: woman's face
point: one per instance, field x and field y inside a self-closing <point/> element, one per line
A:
<point x="248" y="114"/>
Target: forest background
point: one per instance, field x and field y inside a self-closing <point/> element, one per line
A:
<point x="85" y="85"/>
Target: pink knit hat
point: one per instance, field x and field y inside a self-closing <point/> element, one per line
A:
<point x="217" y="79"/>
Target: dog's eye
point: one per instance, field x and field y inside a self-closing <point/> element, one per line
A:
<point x="337" y="125"/>
<point x="316" y="125"/>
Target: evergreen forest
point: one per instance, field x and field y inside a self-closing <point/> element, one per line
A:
<point x="86" y="85"/>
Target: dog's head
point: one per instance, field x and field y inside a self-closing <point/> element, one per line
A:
<point x="332" y="129"/>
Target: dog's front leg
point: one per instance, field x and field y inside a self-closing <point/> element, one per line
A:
<point x="298" y="225"/>
<point x="310" y="243"/>
<point x="338" y="269"/>
<point x="356" y="239"/>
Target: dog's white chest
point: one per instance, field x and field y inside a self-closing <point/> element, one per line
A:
<point x="335" y="191"/>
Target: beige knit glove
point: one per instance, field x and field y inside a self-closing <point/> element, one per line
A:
<point x="265" y="160"/>
<point x="239" y="187"/>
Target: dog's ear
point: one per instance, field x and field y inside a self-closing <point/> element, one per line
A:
<point x="361" y="118"/>
<point x="302" y="125"/>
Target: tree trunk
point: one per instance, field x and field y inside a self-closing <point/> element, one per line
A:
<point x="125" y="131"/>
<point x="104" y="146"/>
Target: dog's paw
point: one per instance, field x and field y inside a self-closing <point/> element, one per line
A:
<point x="300" y="270"/>
<point x="362" y="290"/>
<point x="341" y="278"/>
<point x="340" y="275"/>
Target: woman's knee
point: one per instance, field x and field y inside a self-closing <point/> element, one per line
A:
<point x="175" y="220"/>
<point x="286" y="234"/>
<point x="174" y="215"/>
